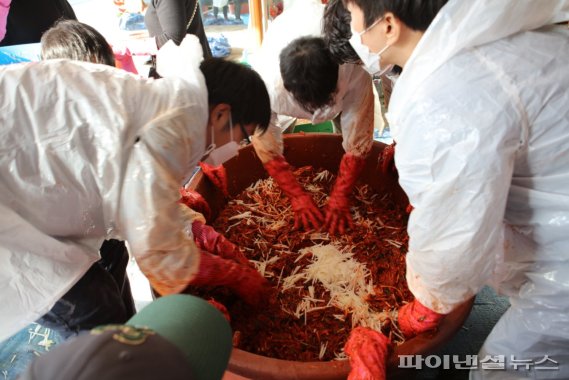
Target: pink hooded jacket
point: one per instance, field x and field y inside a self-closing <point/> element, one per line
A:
<point x="4" y="8"/>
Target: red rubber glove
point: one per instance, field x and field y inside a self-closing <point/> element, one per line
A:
<point x="386" y="160"/>
<point x="243" y="280"/>
<point x="306" y="213"/>
<point x="338" y="209"/>
<point x="195" y="201"/>
<point x="367" y="350"/>
<point x="208" y="239"/>
<point x="414" y="318"/>
<point x="217" y="175"/>
<point x="221" y="307"/>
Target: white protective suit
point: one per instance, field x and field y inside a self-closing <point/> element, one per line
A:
<point x="481" y="119"/>
<point x="354" y="97"/>
<point x="91" y="152"/>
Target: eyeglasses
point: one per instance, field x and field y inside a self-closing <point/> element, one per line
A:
<point x="247" y="139"/>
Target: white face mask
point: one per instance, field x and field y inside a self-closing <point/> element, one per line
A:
<point x="218" y="156"/>
<point x="371" y="61"/>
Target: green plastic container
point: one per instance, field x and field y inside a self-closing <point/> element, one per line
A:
<point x="325" y="127"/>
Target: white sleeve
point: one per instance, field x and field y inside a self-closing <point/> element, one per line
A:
<point x="155" y="224"/>
<point x="455" y="159"/>
<point x="357" y="118"/>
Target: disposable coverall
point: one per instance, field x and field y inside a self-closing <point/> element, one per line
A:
<point x="90" y="154"/>
<point x="481" y="119"/>
<point x="353" y="99"/>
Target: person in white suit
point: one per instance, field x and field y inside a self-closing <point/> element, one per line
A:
<point x="89" y="153"/>
<point x="306" y="81"/>
<point x="480" y="114"/>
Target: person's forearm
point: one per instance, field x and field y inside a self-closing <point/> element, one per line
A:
<point x="268" y="145"/>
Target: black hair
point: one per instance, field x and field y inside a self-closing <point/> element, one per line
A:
<point x="241" y="88"/>
<point x="337" y="33"/>
<point x="309" y="72"/>
<point x="75" y="40"/>
<point x="416" y="14"/>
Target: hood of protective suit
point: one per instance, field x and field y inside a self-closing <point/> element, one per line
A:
<point x="302" y="19"/>
<point x="463" y="25"/>
<point x="296" y="21"/>
<point x="181" y="61"/>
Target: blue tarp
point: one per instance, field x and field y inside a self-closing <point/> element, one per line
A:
<point x="132" y="21"/>
<point x="219" y="46"/>
<point x="20" y="53"/>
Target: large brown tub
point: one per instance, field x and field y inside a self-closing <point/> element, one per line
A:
<point x="325" y="151"/>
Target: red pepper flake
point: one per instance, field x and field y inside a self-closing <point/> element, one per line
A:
<point x="261" y="222"/>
